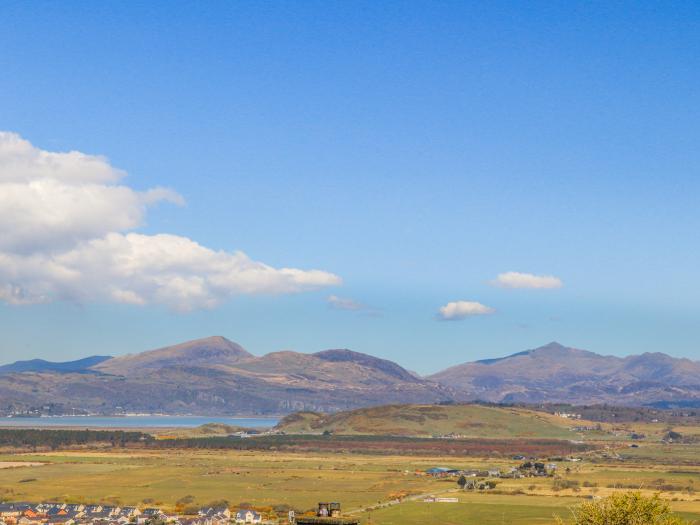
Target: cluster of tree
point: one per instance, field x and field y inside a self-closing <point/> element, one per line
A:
<point x="476" y="484"/>
<point x="188" y="505"/>
<point x="381" y="445"/>
<point x="54" y="439"/>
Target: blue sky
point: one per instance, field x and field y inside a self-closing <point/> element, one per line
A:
<point x="414" y="149"/>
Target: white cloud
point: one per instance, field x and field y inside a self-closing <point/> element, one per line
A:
<point x="54" y="200"/>
<point x="456" y="310"/>
<point x="343" y="303"/>
<point x="526" y="280"/>
<point x="65" y="233"/>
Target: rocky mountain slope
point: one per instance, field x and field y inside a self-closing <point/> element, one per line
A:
<point x="217" y="376"/>
<point x="555" y="373"/>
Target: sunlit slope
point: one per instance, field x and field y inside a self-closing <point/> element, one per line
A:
<point x="432" y="420"/>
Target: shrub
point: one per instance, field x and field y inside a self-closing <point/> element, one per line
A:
<point x="219" y="504"/>
<point x="627" y="508"/>
<point x="190" y="510"/>
<point x="563" y="484"/>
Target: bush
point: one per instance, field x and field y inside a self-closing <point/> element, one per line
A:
<point x="628" y="508"/>
<point x="563" y="484"/>
<point x="218" y="504"/>
<point x="185" y="500"/>
<point x="190" y="510"/>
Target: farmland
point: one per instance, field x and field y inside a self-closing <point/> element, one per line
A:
<point x="164" y="477"/>
<point x="379" y="477"/>
<point x="360" y="481"/>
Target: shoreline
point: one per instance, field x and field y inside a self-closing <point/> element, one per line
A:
<point x="237" y="416"/>
<point x="134" y="422"/>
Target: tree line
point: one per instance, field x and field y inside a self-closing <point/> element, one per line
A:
<point x="54" y="439"/>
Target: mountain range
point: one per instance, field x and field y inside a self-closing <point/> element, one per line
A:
<point x="40" y="365"/>
<point x="217" y="376"/>
<point x="555" y="373"/>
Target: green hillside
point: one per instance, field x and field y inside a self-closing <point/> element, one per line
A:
<point x="431" y="420"/>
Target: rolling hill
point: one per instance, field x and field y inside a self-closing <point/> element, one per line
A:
<point x="469" y="421"/>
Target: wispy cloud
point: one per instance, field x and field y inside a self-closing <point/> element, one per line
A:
<point x="66" y="232"/>
<point x="456" y="310"/>
<point x="526" y="280"/>
<point x="350" y="305"/>
<point x="343" y="303"/>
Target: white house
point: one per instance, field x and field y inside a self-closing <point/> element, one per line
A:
<point x="247" y="516"/>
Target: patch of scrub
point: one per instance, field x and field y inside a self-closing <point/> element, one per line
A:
<point x="17" y="464"/>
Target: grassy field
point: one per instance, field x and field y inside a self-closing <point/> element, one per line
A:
<point x="164" y="477"/>
<point x="484" y="509"/>
<point x="658" y="453"/>
<point x="265" y="479"/>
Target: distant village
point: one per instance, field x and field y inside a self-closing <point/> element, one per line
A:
<point x="475" y="479"/>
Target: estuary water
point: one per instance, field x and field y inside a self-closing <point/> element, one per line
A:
<point x="135" y="421"/>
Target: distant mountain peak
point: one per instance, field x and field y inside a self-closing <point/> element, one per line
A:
<point x="549" y="348"/>
<point x="207" y="351"/>
<point x="386" y="366"/>
<point x="555" y="348"/>
<point x="212" y="340"/>
<point x="557" y="373"/>
<point x="554" y="345"/>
